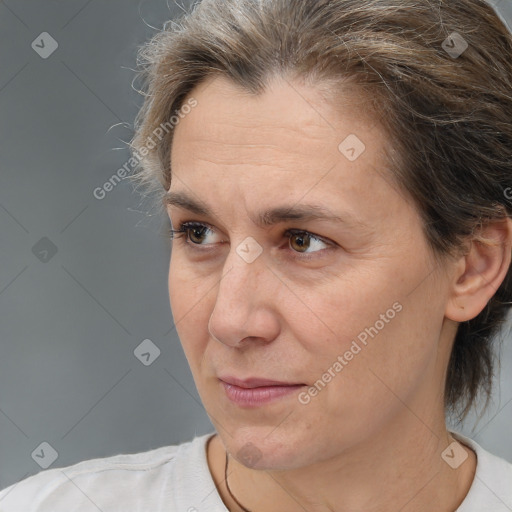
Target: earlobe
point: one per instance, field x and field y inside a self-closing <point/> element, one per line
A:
<point x="481" y="270"/>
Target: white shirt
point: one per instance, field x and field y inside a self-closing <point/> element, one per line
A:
<point x="177" y="479"/>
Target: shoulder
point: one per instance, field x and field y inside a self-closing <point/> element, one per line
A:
<point x="492" y="485"/>
<point x="119" y="482"/>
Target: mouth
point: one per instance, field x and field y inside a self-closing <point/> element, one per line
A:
<point x="256" y="392"/>
<point x="257" y="382"/>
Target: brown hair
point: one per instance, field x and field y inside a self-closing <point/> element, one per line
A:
<point x="449" y="115"/>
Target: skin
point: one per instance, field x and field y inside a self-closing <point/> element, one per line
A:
<point x="372" y="439"/>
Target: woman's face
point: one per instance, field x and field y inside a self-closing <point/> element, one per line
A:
<point x="353" y="309"/>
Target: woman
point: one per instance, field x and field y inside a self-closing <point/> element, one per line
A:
<point x="336" y="177"/>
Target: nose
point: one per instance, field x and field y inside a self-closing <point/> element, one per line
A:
<point x="245" y="304"/>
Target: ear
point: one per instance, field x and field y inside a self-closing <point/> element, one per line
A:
<point x="481" y="270"/>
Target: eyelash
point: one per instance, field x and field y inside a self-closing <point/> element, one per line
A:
<point x="185" y="227"/>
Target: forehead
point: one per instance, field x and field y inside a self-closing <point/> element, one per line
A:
<point x="241" y="148"/>
<point x="289" y="119"/>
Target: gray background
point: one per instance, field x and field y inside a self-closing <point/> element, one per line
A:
<point x="70" y="321"/>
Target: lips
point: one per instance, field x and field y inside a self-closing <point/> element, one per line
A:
<point x="257" y="392"/>
<point x="256" y="382"/>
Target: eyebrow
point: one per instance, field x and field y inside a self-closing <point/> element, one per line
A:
<point x="267" y="218"/>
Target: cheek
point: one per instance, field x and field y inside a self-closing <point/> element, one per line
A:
<point x="189" y="307"/>
<point x="356" y="384"/>
<point x="186" y="290"/>
<point x="368" y="336"/>
<point x="340" y="310"/>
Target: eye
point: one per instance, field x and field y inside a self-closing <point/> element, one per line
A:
<point x="191" y="230"/>
<point x="299" y="241"/>
<point x="304" y="240"/>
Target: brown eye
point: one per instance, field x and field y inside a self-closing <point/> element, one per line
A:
<point x="196" y="232"/>
<point x="300" y="242"/>
<point x="193" y="233"/>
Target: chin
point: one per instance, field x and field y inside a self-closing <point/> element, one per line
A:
<point x="254" y="448"/>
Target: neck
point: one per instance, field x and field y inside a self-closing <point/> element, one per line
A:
<point x="385" y="473"/>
